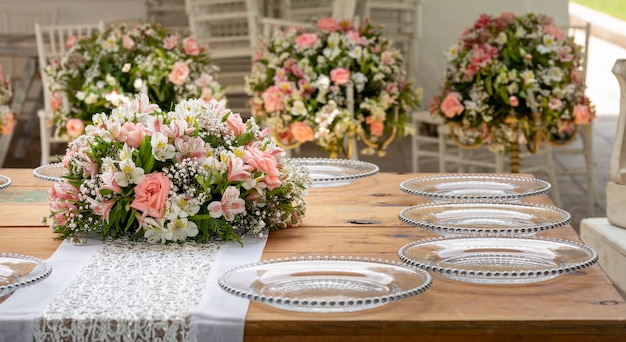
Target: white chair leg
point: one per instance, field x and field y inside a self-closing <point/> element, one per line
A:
<point x="443" y="151"/>
<point x="44" y="132"/>
<point x="586" y="133"/>
<point x="550" y="169"/>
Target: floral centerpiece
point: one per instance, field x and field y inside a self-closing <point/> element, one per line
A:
<point x="195" y="173"/>
<point x="497" y="65"/>
<point x="106" y="69"/>
<point x="300" y="81"/>
<point x="7" y="119"/>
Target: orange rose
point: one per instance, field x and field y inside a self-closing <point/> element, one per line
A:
<point x="301" y="131"/>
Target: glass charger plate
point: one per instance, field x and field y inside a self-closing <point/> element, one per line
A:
<point x="325" y="284"/>
<point x="326" y="172"/>
<point x="50" y="172"/>
<point x="454" y="219"/>
<point x="17" y="271"/>
<point x="5" y="182"/>
<point x="502" y="260"/>
<point x="475" y="188"/>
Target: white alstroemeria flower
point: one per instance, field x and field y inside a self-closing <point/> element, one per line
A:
<point x="126" y="67"/>
<point x="138" y="83"/>
<point x="298" y="108"/>
<point x="155" y="231"/>
<point x="528" y="76"/>
<point x="554" y="74"/>
<point x="182" y="229"/>
<point x="110" y="80"/>
<point x="108" y="165"/>
<point x="322" y="82"/>
<point x="549" y="44"/>
<point x="126" y="153"/>
<point x="91" y="98"/>
<point x="181" y="206"/>
<point x="161" y="148"/>
<point x="452" y="53"/>
<point x="501" y="38"/>
<point x="129" y="173"/>
<point x="110" y="44"/>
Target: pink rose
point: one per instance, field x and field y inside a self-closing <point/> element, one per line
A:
<point x="191" y="46"/>
<point x="513" y="101"/>
<point x="307" y="40"/>
<point x="273" y="99"/>
<point x="134" y="134"/>
<point x="554" y="31"/>
<point x="451" y="106"/>
<point x="170" y="41"/>
<point x="127" y="42"/>
<point x="301" y="131"/>
<point x="70" y="41"/>
<point x="582" y="114"/>
<point x="328" y="25"/>
<point x="179" y="73"/>
<point x="151" y="195"/>
<point x="340" y="76"/>
<point x="74" y="127"/>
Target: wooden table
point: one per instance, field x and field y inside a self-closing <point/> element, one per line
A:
<point x="361" y="220"/>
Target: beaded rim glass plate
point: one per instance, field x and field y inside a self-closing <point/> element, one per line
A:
<point x="485" y="219"/>
<point x="325" y="284"/>
<point x="501" y="260"/>
<point x="327" y="172"/>
<point x="475" y="187"/>
<point x="49" y="172"/>
<point x="18" y="271"/>
<point x="5" y="182"/>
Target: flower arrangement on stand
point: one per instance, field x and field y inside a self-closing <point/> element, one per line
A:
<point x="106" y="69"/>
<point x="300" y="84"/>
<point x="7" y="118"/>
<point x="197" y="173"/>
<point x="495" y="70"/>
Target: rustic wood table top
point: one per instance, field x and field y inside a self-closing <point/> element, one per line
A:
<point x="361" y="220"/>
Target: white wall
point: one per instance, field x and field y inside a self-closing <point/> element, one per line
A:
<point x="444" y="20"/>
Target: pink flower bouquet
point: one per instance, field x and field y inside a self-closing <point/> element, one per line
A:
<point x="198" y="173"/>
<point x="493" y="68"/>
<point x="299" y="85"/>
<point x="7" y="119"/>
<point x="105" y="70"/>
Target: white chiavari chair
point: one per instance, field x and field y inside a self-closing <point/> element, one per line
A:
<point x="51" y="46"/>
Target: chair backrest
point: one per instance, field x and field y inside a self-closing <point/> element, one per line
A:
<point x="270" y="26"/>
<point x="23" y="21"/>
<point x="402" y="24"/>
<point x="52" y="46"/>
<point x="169" y="13"/>
<point x="229" y="28"/>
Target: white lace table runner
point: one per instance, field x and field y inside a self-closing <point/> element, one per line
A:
<point x="128" y="291"/>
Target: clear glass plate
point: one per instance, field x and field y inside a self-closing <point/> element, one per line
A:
<point x="485" y="219"/>
<point x="475" y="188"/>
<point x="17" y="271"/>
<point x="5" y="182"/>
<point x="327" y="172"/>
<point x="502" y="260"/>
<point x="50" y="172"/>
<point x="325" y="284"/>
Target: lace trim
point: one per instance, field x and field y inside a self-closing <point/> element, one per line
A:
<point x="155" y="289"/>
